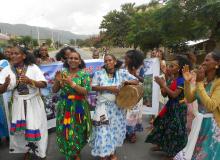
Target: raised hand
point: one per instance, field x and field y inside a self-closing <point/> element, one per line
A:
<point x="58" y="76"/>
<point x="160" y="81"/>
<point x="200" y="74"/>
<point x="7" y="81"/>
<point x="24" y="79"/>
<point x="186" y="73"/>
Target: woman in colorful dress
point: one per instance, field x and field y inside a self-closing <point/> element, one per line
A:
<point x="109" y="120"/>
<point x="73" y="116"/>
<point x="28" y="130"/>
<point x="169" y="132"/>
<point x="133" y="63"/>
<point x="205" y="133"/>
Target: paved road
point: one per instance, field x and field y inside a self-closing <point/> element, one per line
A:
<point x="137" y="151"/>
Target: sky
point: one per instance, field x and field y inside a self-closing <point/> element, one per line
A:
<point x="77" y="16"/>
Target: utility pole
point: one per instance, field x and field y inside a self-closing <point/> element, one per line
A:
<point x="38" y="36"/>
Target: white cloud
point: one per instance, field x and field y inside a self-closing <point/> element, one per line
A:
<point x="78" y="16"/>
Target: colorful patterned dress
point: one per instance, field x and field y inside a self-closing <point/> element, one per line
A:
<point x="169" y="130"/>
<point x="73" y="117"/>
<point x="105" y="138"/>
<point x="205" y="133"/>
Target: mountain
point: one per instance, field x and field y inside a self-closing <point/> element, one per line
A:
<point x="44" y="33"/>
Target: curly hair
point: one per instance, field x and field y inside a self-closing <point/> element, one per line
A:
<point x="216" y="56"/>
<point x="182" y="61"/>
<point x="136" y="59"/>
<point x="82" y="65"/>
<point x="61" y="54"/>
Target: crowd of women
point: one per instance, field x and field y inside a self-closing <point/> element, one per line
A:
<point x="110" y="125"/>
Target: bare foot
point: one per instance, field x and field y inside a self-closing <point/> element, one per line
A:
<point x="113" y="157"/>
<point x="104" y="158"/>
<point x="156" y="148"/>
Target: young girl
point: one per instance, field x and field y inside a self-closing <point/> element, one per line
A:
<point x="169" y="132"/>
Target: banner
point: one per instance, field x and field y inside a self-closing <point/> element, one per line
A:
<point x="151" y="89"/>
<point x="50" y="99"/>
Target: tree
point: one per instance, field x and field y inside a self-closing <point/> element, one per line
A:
<point x="72" y="41"/>
<point x="48" y="42"/>
<point x="35" y="43"/>
<point x="116" y="24"/>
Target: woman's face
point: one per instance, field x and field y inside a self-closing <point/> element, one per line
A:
<point x="7" y="53"/>
<point x="174" y="67"/>
<point x="110" y="62"/>
<point x="43" y="51"/>
<point x="17" y="57"/>
<point x="73" y="59"/>
<point x="209" y="63"/>
<point x="66" y="53"/>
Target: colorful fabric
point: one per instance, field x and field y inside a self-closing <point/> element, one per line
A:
<point x="169" y="131"/>
<point x="134" y="119"/>
<point x="20" y="125"/>
<point x="73" y="117"/>
<point x="134" y="115"/>
<point x="206" y="138"/>
<point x="3" y="120"/>
<point x="106" y="138"/>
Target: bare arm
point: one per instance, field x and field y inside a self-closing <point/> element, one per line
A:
<point x="189" y="92"/>
<point x="4" y="86"/>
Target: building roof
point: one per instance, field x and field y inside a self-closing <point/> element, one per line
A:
<point x="4" y="37"/>
<point x="192" y="43"/>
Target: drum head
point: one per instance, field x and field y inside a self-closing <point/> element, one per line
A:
<point x="129" y="96"/>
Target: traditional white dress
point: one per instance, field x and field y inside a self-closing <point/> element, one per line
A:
<point x="28" y="116"/>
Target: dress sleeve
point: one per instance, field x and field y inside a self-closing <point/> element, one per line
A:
<point x="180" y="83"/>
<point x="96" y="79"/>
<point x="38" y="74"/>
<point x="211" y="102"/>
<point x="86" y="82"/>
<point x="126" y="76"/>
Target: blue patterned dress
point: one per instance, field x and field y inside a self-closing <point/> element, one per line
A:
<point x="105" y="138"/>
<point x="3" y="120"/>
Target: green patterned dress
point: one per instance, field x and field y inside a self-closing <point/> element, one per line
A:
<point x="73" y="117"/>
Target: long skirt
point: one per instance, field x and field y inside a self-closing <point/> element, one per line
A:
<point x="134" y="119"/>
<point x="3" y="120"/>
<point x="204" y="140"/>
<point x="169" y="131"/>
<point x="105" y="138"/>
<point x="28" y="125"/>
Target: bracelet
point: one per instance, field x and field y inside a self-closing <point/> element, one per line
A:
<point x="73" y="85"/>
<point x="33" y="84"/>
